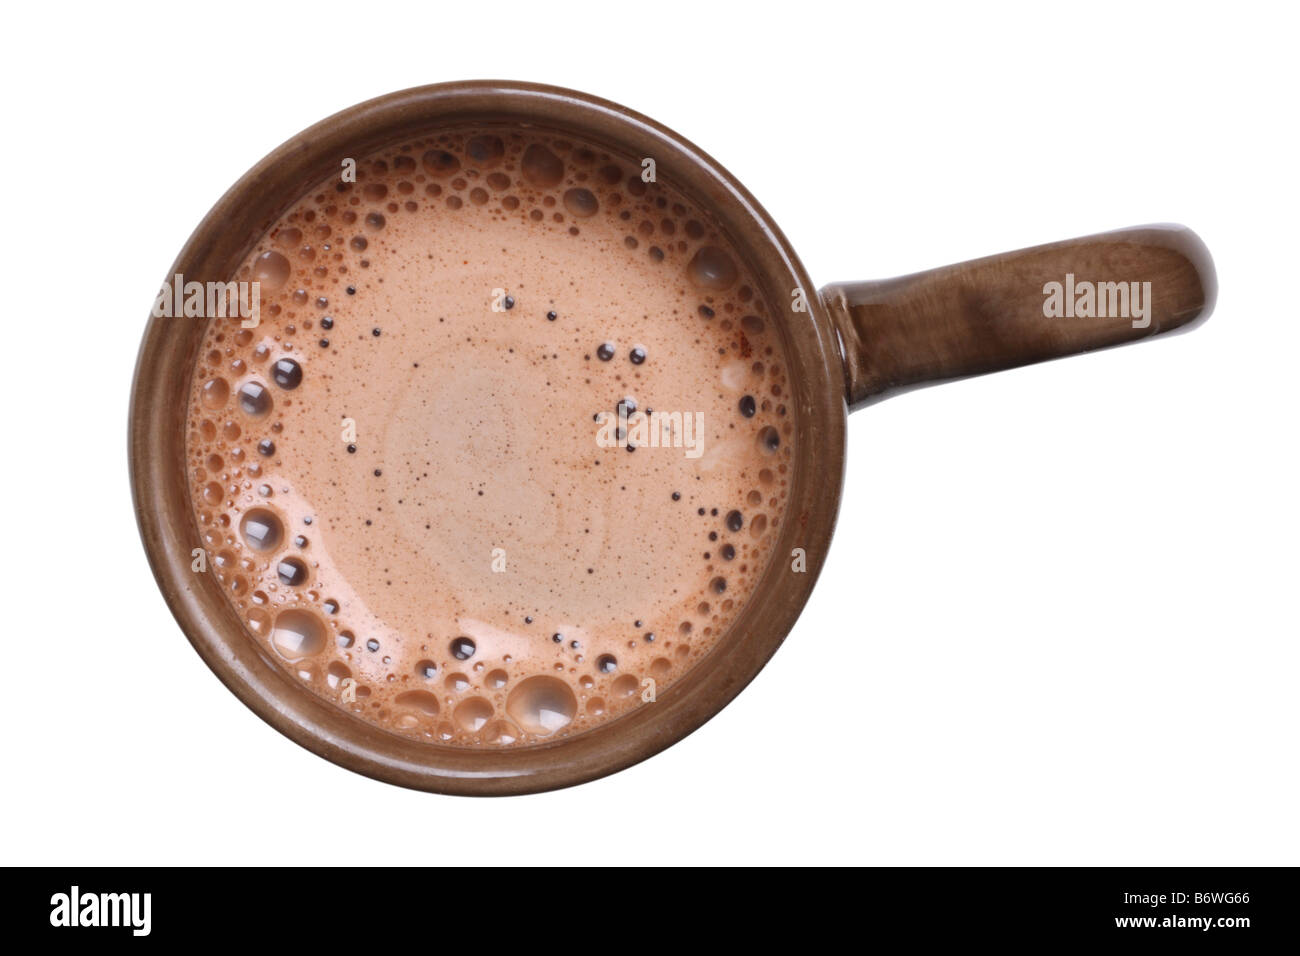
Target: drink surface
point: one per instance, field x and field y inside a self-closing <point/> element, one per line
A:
<point x="507" y="451"/>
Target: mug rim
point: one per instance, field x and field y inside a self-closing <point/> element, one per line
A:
<point x="169" y="532"/>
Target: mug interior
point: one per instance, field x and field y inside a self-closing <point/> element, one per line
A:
<point x="165" y="515"/>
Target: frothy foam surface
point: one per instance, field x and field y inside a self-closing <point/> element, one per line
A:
<point x="398" y="476"/>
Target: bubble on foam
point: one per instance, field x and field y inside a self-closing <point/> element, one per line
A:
<point x="500" y="732"/>
<point x="420" y="700"/>
<point x="216" y="392"/>
<point x="541" y="167"/>
<point x="292" y="572"/>
<point x="271" y="269"/>
<point x="262" y="530"/>
<point x="712" y="268"/>
<point x="471" y="714"/>
<point x="255" y="399"/>
<point x="542" y="704"/>
<point x="456" y="683"/>
<point x="625" y="686"/>
<point x="298" y="634"/>
<point x="486" y="149"/>
<point x="440" y="163"/>
<point x="581" y="202"/>
<point x="287" y="374"/>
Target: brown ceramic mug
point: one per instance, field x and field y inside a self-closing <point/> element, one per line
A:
<point x="852" y="343"/>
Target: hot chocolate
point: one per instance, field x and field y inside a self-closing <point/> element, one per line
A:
<point x="505" y="453"/>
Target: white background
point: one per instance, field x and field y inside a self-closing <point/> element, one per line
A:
<point x="1058" y="624"/>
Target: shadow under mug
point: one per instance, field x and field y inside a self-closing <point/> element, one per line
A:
<point x="847" y="345"/>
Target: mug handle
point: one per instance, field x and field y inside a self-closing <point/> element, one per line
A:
<point x="1019" y="307"/>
